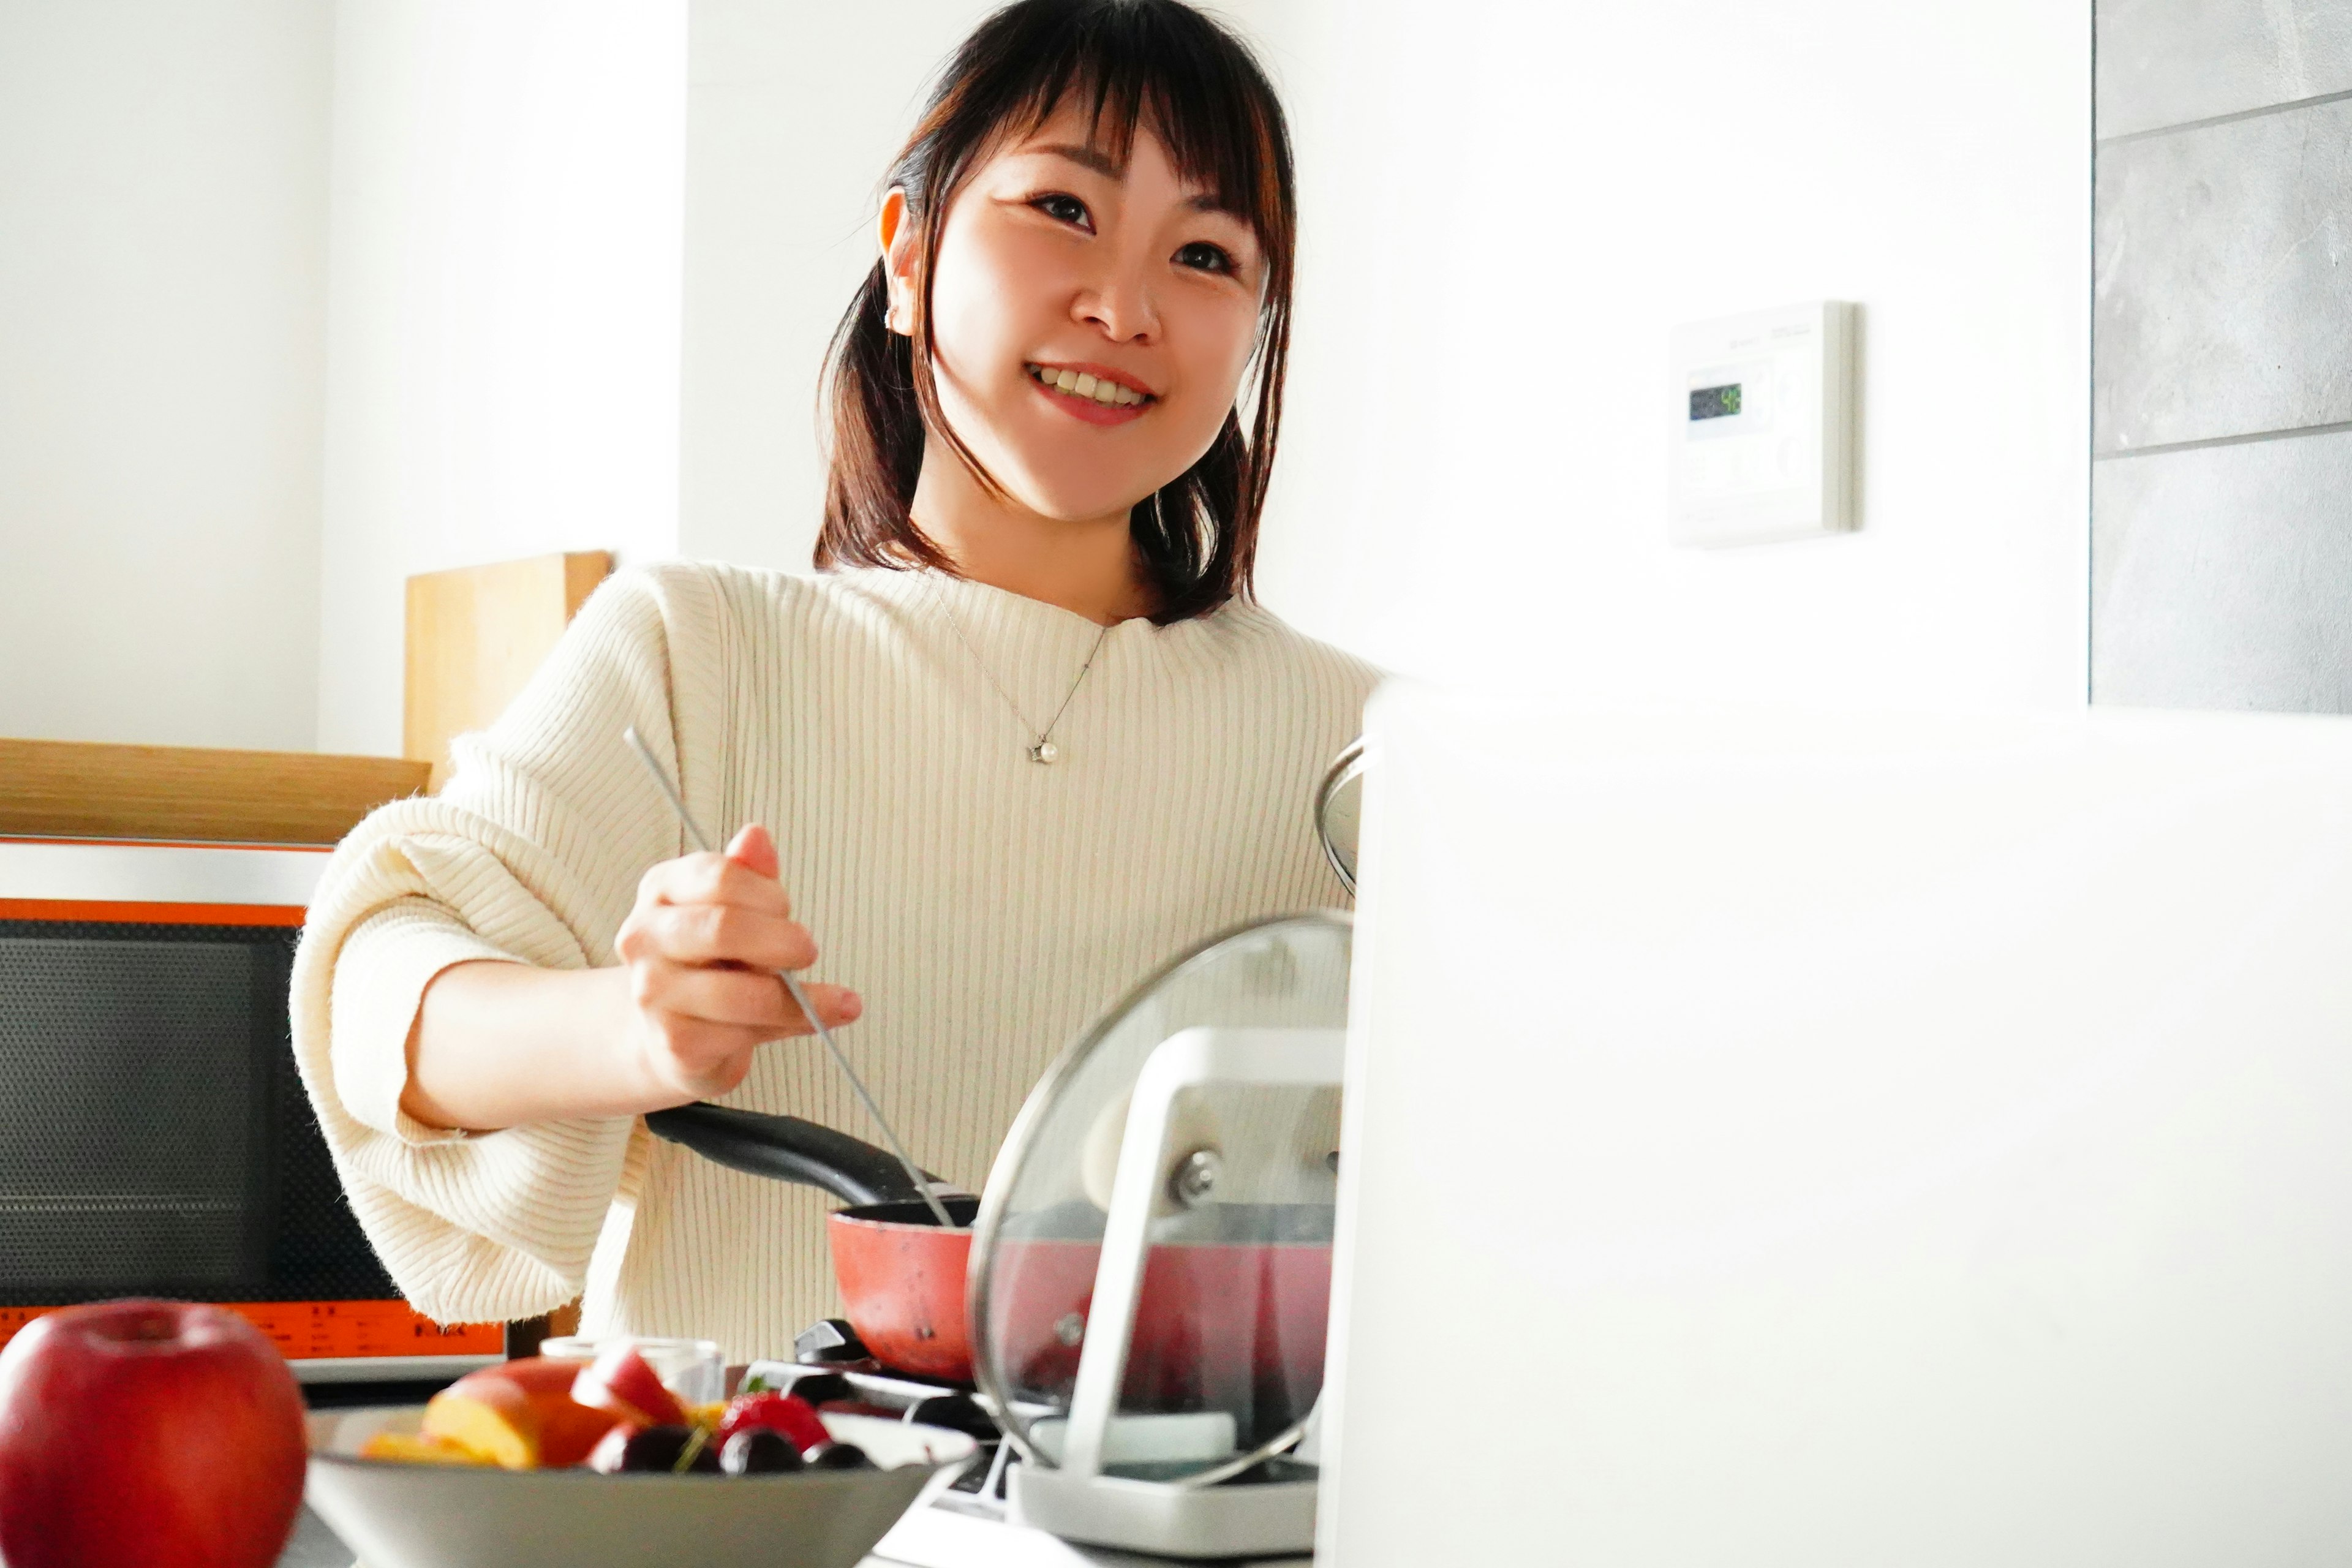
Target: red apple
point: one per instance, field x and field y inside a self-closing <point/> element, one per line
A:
<point x="158" y="1433"/>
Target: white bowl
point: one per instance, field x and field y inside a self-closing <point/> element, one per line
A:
<point x="397" y="1515"/>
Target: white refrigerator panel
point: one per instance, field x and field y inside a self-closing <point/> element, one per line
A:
<point x="1815" y="1142"/>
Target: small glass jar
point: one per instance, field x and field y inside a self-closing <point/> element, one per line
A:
<point x="692" y="1369"/>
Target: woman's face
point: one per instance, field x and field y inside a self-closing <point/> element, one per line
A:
<point x="1092" y="322"/>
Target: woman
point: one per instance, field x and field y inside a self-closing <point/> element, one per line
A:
<point x="1024" y="736"/>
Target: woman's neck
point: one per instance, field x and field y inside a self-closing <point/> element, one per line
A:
<point x="1087" y="568"/>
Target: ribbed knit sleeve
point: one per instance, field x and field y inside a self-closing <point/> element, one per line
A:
<point x="531" y="855"/>
<point x="983" y="904"/>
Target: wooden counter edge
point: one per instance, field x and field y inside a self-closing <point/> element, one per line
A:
<point x="77" y="789"/>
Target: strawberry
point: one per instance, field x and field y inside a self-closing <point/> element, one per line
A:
<point x="787" y="1414"/>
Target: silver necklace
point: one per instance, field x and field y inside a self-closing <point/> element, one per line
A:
<point x="1042" y="750"/>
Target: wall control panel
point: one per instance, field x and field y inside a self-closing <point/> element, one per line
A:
<point x="1763" y="411"/>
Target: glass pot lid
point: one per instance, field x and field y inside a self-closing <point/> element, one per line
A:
<point x="1222" y="1161"/>
<point x="1340" y="810"/>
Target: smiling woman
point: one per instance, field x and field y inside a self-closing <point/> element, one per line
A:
<point x="1095" y="220"/>
<point x="1024" y="734"/>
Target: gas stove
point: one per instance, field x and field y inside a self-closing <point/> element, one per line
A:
<point x="967" y="1523"/>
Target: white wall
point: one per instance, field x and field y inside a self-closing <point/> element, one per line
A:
<point x="503" y="338"/>
<point x="1525" y="200"/>
<point x="794" y="113"/>
<point x="540" y="209"/>
<point x="162" y="218"/>
<point x="1506" y="209"/>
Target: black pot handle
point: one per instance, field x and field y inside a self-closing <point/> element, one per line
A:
<point x="786" y="1149"/>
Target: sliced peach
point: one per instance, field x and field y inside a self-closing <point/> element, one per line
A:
<point x="416" y="1448"/>
<point x="521" y="1414"/>
<point x="567" y="1430"/>
<point x="491" y="1417"/>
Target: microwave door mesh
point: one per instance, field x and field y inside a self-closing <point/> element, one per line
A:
<point x="134" y="1091"/>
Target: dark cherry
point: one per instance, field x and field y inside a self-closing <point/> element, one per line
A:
<point x="818" y="1387"/>
<point x="758" y="1452"/>
<point x="837" y="1456"/>
<point x="661" y="1447"/>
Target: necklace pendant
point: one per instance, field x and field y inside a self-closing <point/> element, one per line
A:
<point x="1044" y="753"/>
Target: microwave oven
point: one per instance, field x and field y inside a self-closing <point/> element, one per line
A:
<point x="154" y="1136"/>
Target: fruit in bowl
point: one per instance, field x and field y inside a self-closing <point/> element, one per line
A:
<point x="164" y="1433"/>
<point x="518" y="1415"/>
<point x="615" y="1415"/>
<point x="621" y="1383"/>
<point x="483" y="1516"/>
<point x="767" y="1411"/>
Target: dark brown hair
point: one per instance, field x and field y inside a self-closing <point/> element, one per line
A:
<point x="1129" y="61"/>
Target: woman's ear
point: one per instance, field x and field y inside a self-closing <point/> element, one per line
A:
<point x="898" y="236"/>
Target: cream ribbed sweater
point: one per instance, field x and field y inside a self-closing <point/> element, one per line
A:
<point x="986" y="908"/>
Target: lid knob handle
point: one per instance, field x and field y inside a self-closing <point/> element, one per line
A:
<point x="1195" y="1178"/>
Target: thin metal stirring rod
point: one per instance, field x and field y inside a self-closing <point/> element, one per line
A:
<point x="792" y="985"/>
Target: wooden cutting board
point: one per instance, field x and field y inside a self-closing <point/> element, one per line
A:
<point x="475" y="637"/>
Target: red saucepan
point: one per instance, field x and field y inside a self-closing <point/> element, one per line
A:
<point x="1222" y="1323"/>
<point x="901" y="1277"/>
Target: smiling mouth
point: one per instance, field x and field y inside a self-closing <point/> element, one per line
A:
<point x="1079" y="384"/>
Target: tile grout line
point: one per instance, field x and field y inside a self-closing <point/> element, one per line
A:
<point x="2338" y="428"/>
<point x="2232" y="119"/>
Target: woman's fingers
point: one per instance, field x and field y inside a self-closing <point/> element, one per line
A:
<point x="699" y="1055"/>
<point x="835" y="1004"/>
<point x="703" y="947"/>
<point x="699" y="994"/>
<point x="754" y="851"/>
<point x="717" y="933"/>
<point x="691" y="1018"/>
<point x="714" y="879"/>
<point x="747" y="999"/>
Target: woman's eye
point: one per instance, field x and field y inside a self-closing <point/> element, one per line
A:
<point x="1063" y="209"/>
<point x="1205" y="256"/>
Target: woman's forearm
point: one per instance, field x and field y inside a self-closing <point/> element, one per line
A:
<point x="495" y="1044"/>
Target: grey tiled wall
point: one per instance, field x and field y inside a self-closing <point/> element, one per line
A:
<point x="2219" y="579"/>
<point x="2222" y="489"/>
<point x="2166" y="62"/>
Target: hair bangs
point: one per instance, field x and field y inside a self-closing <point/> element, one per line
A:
<point x="1134" y="66"/>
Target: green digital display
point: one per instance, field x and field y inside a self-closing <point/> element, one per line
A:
<point x="1715" y="401"/>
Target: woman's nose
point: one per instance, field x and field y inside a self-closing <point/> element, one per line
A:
<point x="1121" y="302"/>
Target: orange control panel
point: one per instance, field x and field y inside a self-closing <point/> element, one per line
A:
<point x="311" y="1331"/>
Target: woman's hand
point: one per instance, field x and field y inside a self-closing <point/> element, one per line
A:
<point x="498" y="1043"/>
<point x="702" y="948"/>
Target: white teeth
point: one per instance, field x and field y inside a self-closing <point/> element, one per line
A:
<point x="1079" y="384"/>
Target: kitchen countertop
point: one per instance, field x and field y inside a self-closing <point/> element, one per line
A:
<point x="316" y="1546"/>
